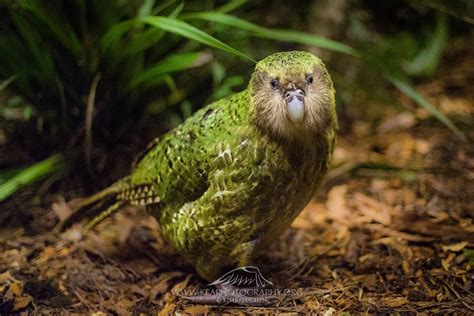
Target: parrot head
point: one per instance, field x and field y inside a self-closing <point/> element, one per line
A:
<point x="292" y="95"/>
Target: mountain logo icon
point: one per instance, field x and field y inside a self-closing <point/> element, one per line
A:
<point x="248" y="277"/>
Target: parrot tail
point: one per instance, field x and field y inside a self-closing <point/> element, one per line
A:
<point x="101" y="205"/>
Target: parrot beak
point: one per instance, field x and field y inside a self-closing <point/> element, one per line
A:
<point x="295" y="103"/>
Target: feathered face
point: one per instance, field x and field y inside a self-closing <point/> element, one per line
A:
<point x="292" y="95"/>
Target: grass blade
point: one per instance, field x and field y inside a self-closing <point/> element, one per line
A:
<point x="170" y="25"/>
<point x="146" y="8"/>
<point x="427" y="60"/>
<point x="172" y="63"/>
<point x="7" y="82"/>
<point x="44" y="70"/>
<point x="274" y="34"/>
<point x="409" y="91"/>
<point x="162" y="6"/>
<point x="461" y="9"/>
<point x="113" y="35"/>
<point x="145" y="39"/>
<point x="186" y="30"/>
<point x="59" y="28"/>
<point x="231" y="6"/>
<point x="30" y="175"/>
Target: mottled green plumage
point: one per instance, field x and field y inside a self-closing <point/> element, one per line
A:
<point x="232" y="178"/>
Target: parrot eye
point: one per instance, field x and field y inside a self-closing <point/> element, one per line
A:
<point x="309" y="79"/>
<point x="274" y="83"/>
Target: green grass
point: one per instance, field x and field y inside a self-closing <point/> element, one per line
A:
<point x="134" y="51"/>
<point x="12" y="180"/>
<point x="50" y="54"/>
<point x="54" y="51"/>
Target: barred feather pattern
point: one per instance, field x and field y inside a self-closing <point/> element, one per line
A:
<point x="229" y="180"/>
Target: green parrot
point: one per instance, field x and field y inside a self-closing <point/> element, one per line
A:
<point x="229" y="180"/>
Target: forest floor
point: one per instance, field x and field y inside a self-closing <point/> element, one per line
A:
<point x="391" y="231"/>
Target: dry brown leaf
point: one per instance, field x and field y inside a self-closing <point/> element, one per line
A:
<point x="313" y="214"/>
<point x="395" y="233"/>
<point x="368" y="280"/>
<point x="455" y="247"/>
<point x="196" y="309"/>
<point x="438" y="216"/>
<point x="162" y="284"/>
<point x="5" y="276"/>
<point x="337" y="206"/>
<point x="422" y="146"/>
<point x="400" y="151"/>
<point x="302" y="221"/>
<point x="408" y="197"/>
<point x="234" y="312"/>
<point x="424" y="227"/>
<point x="169" y="309"/>
<point x="446" y="263"/>
<point x="373" y="210"/>
<point x="467" y="224"/>
<point x="62" y="210"/>
<point x="394" y="302"/>
<point x="399" y="244"/>
<point x="181" y="285"/>
<point x="16" y="288"/>
<point x="312" y="303"/>
<point x="367" y="257"/>
<point x="21" y="302"/>
<point x="341" y="155"/>
<point x="399" y="122"/>
<point x="331" y="311"/>
<point x="456" y="105"/>
<point x="406" y="267"/>
<point x="46" y="254"/>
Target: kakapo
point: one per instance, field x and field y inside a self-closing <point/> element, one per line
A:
<point x="229" y="180"/>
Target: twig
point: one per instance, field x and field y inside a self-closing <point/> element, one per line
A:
<point x="463" y="301"/>
<point x="7" y="82"/>
<point x="89" y="117"/>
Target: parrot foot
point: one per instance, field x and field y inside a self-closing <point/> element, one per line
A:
<point x="99" y="218"/>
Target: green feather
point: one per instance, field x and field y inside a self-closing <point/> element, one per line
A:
<point x="220" y="183"/>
